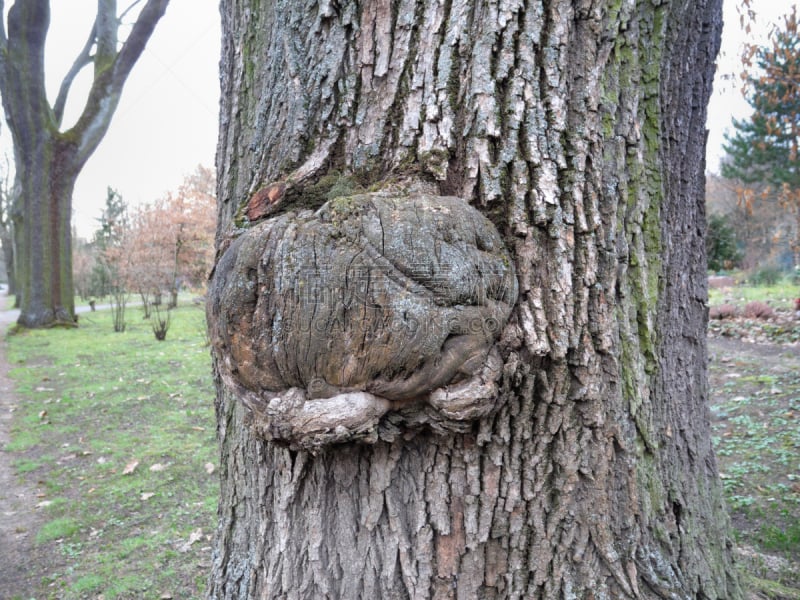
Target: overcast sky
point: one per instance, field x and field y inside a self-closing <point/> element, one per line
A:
<point x="166" y="123"/>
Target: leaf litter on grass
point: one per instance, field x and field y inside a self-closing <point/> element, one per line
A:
<point x="124" y="450"/>
<point x="755" y="410"/>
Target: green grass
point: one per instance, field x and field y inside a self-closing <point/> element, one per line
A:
<point x="756" y="406"/>
<point x="781" y="295"/>
<point x="93" y="402"/>
<point x="62" y="527"/>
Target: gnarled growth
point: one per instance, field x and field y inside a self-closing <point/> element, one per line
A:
<point x="324" y="322"/>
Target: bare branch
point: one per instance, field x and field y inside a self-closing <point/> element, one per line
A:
<point x="83" y="59"/>
<point x="138" y="38"/>
<point x="110" y="76"/>
<point x="129" y="9"/>
<point x="106" y="27"/>
<point x="3" y="41"/>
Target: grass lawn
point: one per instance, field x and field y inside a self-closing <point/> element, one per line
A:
<point x="780" y="295"/>
<point x="116" y="431"/>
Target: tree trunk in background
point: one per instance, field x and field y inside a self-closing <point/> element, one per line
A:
<point x="7" y="243"/>
<point x="44" y="261"/>
<point x="578" y="128"/>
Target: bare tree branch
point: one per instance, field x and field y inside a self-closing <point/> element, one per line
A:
<point x="83" y="59"/>
<point x="138" y="38"/>
<point x="129" y="9"/>
<point x="3" y="42"/>
<point x="109" y="78"/>
<point x="106" y="28"/>
<point x="3" y="39"/>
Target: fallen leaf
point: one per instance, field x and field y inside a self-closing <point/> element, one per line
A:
<point x="195" y="536"/>
<point x="44" y="504"/>
<point x="210" y="468"/>
<point x="130" y="467"/>
<point x="147" y="495"/>
<point x="157" y="467"/>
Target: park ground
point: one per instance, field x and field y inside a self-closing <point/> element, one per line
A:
<point x="108" y="474"/>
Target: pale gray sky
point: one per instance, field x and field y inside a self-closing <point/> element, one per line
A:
<point x="166" y="123"/>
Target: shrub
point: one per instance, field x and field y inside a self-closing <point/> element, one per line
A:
<point x="758" y="310"/>
<point x="160" y="322"/>
<point x="766" y="276"/>
<point x="722" y="311"/>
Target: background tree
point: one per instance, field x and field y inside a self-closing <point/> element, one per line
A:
<point x="171" y="240"/>
<point x="48" y="158"/>
<point x="190" y="222"/>
<point x="764" y="148"/>
<point x="84" y="262"/>
<point x="578" y="129"/>
<point x="722" y="248"/>
<point x="114" y="264"/>
<point x="6" y="231"/>
<point x="149" y="254"/>
<point x="759" y="225"/>
<point x="113" y="221"/>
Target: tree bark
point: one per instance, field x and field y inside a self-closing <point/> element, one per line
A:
<point x="577" y="128"/>
<point x="49" y="160"/>
<point x="7" y="243"/>
<point x="44" y="237"/>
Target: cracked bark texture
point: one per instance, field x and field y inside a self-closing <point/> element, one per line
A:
<point x="577" y="128"/>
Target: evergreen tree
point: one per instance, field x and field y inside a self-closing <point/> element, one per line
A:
<point x="113" y="221"/>
<point x="764" y="148"/>
<point x="722" y="248"/>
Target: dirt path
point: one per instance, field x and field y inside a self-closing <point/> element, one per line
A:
<point x="19" y="519"/>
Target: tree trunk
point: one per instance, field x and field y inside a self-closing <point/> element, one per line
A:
<point x="577" y="128"/>
<point x="44" y="247"/>
<point x="8" y="258"/>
